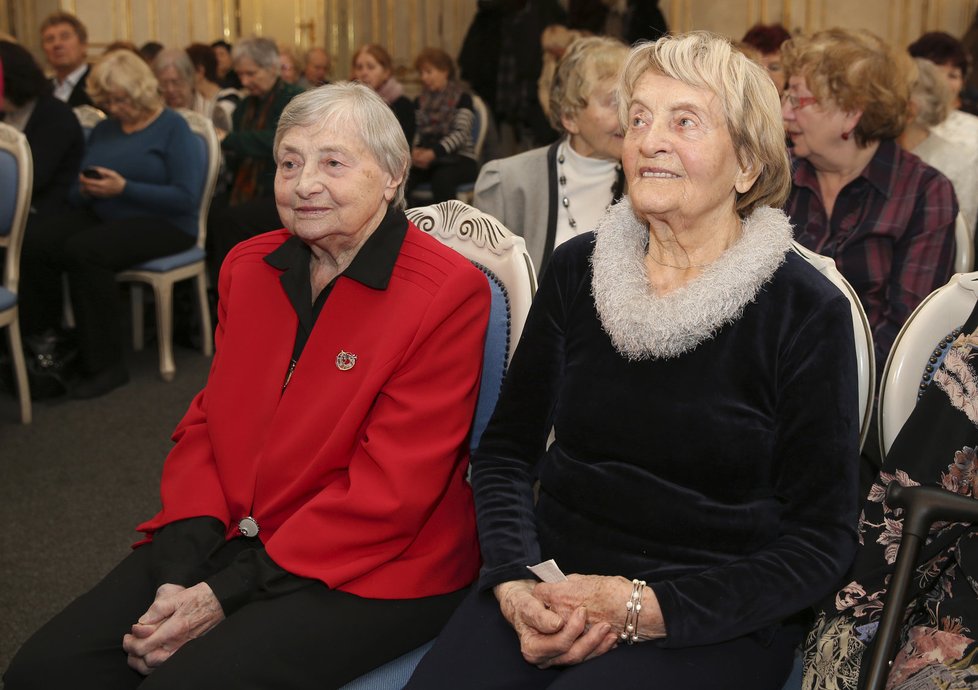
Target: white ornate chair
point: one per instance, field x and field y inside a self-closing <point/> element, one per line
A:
<point x="865" y="356"/>
<point x="964" y="247"/>
<point x="16" y="186"/>
<point x="918" y="350"/>
<point x="502" y="256"/>
<point x="163" y="272"/>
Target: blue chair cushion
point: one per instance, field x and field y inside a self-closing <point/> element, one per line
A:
<point x="494" y="355"/>
<point x="8" y="190"/>
<point x="168" y="263"/>
<point x="8" y="300"/>
<point x="393" y="675"/>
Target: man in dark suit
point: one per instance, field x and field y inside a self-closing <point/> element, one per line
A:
<point x="65" y="42"/>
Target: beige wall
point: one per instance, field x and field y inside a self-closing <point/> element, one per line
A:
<point x="406" y="26"/>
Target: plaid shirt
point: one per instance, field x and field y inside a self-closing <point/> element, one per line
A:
<point x="891" y="234"/>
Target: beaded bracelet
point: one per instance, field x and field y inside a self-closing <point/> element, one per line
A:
<point x="633" y="607"/>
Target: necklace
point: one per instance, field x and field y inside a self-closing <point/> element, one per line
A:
<point x="562" y="179"/>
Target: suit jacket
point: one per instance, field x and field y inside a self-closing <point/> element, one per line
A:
<point x="57" y="146"/>
<point x="79" y="96"/>
<point x="356" y="475"/>
<point x="510" y="190"/>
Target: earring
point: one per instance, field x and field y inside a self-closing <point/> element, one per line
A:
<point x="846" y="135"/>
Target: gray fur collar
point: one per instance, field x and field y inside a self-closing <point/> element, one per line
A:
<point x="643" y="325"/>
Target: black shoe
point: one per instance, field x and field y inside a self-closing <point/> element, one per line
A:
<point x="99" y="384"/>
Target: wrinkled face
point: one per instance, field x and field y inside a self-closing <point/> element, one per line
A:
<point x="432" y="78"/>
<point x="815" y="128"/>
<point x="287" y="69"/>
<point x="317" y="67"/>
<point x="177" y="92"/>
<point x="678" y="157"/>
<point x="223" y="60"/>
<point x="62" y="47"/>
<point x="595" y="130"/>
<point x="955" y="82"/>
<point x="330" y="191"/>
<point x="256" y="80"/>
<point x="772" y="63"/>
<point x="369" y="72"/>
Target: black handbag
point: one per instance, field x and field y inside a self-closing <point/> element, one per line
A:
<point x="51" y="360"/>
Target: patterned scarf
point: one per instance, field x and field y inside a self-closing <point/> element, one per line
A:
<point x="436" y="112"/>
<point x="255" y="117"/>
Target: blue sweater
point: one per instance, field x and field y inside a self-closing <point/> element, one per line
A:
<point x="164" y="166"/>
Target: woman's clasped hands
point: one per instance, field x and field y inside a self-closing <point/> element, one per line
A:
<point x="565" y="623"/>
<point x="176" y="616"/>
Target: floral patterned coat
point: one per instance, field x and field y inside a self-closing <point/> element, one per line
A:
<point x="939" y="639"/>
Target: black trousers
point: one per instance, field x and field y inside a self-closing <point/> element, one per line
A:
<point x="478" y="650"/>
<point x="228" y="225"/>
<point x="90" y="251"/>
<point x="444" y="175"/>
<point x="313" y="637"/>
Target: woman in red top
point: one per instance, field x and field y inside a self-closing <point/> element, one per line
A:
<point x="315" y="518"/>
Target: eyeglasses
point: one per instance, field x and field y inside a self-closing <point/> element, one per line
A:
<point x="111" y="100"/>
<point x="798" y="102"/>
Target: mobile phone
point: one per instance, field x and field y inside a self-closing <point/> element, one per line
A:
<point x="92" y="173"/>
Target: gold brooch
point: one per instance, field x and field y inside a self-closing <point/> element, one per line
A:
<point x="345" y="360"/>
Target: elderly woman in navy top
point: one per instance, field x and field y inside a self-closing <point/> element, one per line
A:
<point x="700" y="381"/>
<point x="137" y="198"/>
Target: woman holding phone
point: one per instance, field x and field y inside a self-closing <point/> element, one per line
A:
<point x="136" y="199"/>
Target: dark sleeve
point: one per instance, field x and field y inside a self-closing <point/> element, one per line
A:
<point x="515" y="439"/>
<point x="404" y="112"/>
<point x="816" y="460"/>
<point x="182" y="549"/>
<point x="57" y="145"/>
<point x="251" y="576"/>
<point x="182" y="553"/>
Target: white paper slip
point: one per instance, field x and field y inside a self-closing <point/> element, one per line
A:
<point x="547" y="571"/>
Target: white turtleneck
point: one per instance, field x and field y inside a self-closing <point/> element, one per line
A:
<point x="588" y="190"/>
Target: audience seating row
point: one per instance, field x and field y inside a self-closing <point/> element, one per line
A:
<point x="503" y="258"/>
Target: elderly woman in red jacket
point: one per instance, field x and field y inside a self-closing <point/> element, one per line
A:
<point x="315" y="518"/>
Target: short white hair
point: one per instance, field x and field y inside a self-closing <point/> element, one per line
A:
<point x="262" y="51"/>
<point x="748" y="98"/>
<point x="360" y="108"/>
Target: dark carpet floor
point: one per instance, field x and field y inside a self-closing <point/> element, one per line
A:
<point x="75" y="482"/>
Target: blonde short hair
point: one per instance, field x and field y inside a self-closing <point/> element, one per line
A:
<point x="125" y="71"/>
<point x="857" y="71"/>
<point x="749" y="101"/>
<point x="587" y="62"/>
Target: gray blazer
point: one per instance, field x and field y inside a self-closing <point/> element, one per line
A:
<point x="521" y="193"/>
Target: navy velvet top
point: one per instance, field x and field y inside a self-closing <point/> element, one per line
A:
<point x="725" y="477"/>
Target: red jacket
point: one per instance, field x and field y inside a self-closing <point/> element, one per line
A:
<point x="356" y="477"/>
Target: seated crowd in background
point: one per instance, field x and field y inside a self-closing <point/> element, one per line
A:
<point x="138" y="198"/>
<point x="443" y="151"/>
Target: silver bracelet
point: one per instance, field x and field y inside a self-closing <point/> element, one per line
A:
<point x="633" y="607"/>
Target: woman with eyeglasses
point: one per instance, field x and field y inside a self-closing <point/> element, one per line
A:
<point x="886" y="217"/>
<point x="137" y="198"/>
